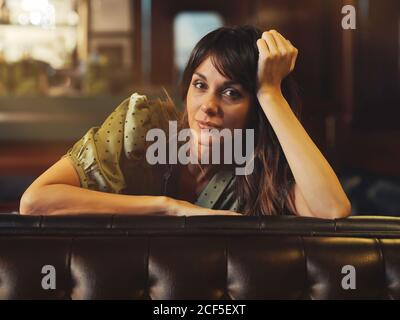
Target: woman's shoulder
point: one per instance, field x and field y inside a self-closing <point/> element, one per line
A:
<point x="139" y="105"/>
<point x="107" y="154"/>
<point x="140" y="111"/>
<point x="135" y="117"/>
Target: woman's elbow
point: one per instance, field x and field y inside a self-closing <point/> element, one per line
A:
<point x="341" y="210"/>
<point x="29" y="203"/>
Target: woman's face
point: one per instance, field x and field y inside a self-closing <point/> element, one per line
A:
<point x="214" y="101"/>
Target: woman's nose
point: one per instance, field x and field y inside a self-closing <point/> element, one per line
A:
<point x="210" y="107"/>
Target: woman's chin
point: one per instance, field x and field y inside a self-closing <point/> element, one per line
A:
<point x="207" y="140"/>
<point x="206" y="137"/>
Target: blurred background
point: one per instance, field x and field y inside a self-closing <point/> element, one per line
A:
<point x="66" y="64"/>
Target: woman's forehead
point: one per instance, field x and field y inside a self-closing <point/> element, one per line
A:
<point x="207" y="67"/>
<point x="209" y="72"/>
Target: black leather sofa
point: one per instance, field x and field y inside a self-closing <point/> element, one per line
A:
<point x="209" y="257"/>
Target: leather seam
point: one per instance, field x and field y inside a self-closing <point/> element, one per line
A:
<point x="112" y="221"/>
<point x="147" y="269"/>
<point x="306" y="286"/>
<point x="381" y="255"/>
<point x="69" y="259"/>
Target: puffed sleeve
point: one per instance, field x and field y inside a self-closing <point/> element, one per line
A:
<point x="108" y="157"/>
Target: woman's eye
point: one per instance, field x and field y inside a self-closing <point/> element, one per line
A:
<point x="199" y="85"/>
<point x="232" y="93"/>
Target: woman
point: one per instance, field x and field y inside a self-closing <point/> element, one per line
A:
<point x="236" y="78"/>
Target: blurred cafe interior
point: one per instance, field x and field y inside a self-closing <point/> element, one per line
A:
<point x="66" y="64"/>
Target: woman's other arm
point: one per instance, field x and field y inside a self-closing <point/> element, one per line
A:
<point x="57" y="191"/>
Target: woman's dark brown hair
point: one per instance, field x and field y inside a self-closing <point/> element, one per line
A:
<point x="234" y="53"/>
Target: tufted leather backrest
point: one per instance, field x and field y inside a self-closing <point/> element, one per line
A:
<point x="208" y="257"/>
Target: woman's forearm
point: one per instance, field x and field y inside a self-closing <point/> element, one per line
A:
<point x="63" y="199"/>
<point x="313" y="174"/>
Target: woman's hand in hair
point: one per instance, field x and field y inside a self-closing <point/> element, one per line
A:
<point x="176" y="207"/>
<point x="277" y="58"/>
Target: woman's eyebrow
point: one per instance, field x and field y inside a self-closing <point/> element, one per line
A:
<point x="226" y="83"/>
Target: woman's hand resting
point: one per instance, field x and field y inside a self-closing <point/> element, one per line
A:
<point x="277" y="58"/>
<point x="176" y="207"/>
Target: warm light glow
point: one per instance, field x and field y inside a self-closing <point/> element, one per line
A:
<point x="23" y="19"/>
<point x="33" y="5"/>
<point x="35" y="18"/>
<point x="36" y="12"/>
<point x="73" y="18"/>
<point x="43" y="30"/>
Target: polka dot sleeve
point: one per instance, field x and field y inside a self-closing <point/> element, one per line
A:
<point x="97" y="155"/>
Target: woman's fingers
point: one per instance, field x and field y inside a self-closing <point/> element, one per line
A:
<point x="262" y="47"/>
<point x="212" y="212"/>
<point x="227" y="213"/>
<point x="272" y="46"/>
<point x="286" y="48"/>
<point x="281" y="43"/>
<point x="277" y="59"/>
<point x="186" y="208"/>
<point x="296" y="52"/>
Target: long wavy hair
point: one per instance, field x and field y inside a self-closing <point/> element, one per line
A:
<point x="269" y="190"/>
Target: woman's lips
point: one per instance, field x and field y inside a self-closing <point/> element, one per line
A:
<point x="207" y="125"/>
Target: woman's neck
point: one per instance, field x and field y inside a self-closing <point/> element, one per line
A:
<point x="201" y="173"/>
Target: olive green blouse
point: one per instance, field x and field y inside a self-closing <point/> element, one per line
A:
<point x="112" y="158"/>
